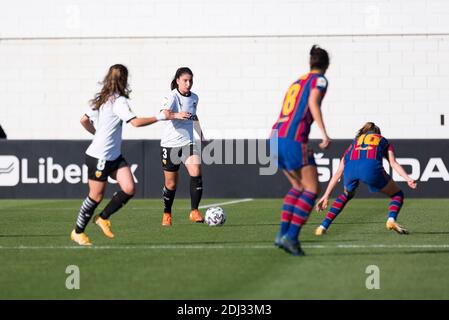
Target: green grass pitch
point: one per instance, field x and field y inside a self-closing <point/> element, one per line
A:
<point x="236" y="261"/>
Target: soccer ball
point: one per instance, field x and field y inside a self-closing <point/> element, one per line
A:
<point x="215" y="217"/>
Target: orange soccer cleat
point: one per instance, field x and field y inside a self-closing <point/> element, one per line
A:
<point x="105" y="226"/>
<point x="195" y="216"/>
<point x="166" y="219"/>
<point x="81" y="238"/>
<point x="393" y="225"/>
<point x="320" y="231"/>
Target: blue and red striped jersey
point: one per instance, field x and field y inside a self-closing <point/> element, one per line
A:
<point x="369" y="146"/>
<point x="295" y="119"/>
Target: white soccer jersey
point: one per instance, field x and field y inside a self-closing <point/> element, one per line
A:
<point x="178" y="133"/>
<point x="108" y="120"/>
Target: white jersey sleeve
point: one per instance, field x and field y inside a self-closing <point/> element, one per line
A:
<point x="92" y="114"/>
<point x="170" y="102"/>
<point x="122" y="109"/>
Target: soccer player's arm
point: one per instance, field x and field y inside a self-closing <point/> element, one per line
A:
<point x="399" y="169"/>
<point x="86" y="121"/>
<point x="323" y="202"/>
<point x="141" y="122"/>
<point x="124" y="112"/>
<point x="319" y="86"/>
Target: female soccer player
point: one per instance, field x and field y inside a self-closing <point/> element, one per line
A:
<point x="362" y="161"/>
<point x="178" y="145"/>
<point x="109" y="109"/>
<point x="301" y="107"/>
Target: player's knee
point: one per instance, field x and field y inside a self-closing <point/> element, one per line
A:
<point x="349" y="194"/>
<point x="97" y="197"/>
<point x="129" y="190"/>
<point x="399" y="196"/>
<point x="315" y="188"/>
<point x="195" y="171"/>
<point x="170" y="184"/>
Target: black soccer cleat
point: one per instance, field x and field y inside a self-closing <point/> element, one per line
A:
<point x="291" y="246"/>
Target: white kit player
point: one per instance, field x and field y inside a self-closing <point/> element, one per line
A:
<point x="178" y="145"/>
<point x="104" y="119"/>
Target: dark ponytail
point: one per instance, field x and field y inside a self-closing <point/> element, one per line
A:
<point x="319" y="58"/>
<point x="179" y="73"/>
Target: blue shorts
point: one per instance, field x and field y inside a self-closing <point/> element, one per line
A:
<point x="292" y="155"/>
<point x="374" y="176"/>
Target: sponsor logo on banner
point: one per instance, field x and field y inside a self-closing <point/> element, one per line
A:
<point x="15" y="171"/>
<point x="9" y="171"/>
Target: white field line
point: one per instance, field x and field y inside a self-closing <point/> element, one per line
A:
<point x="224" y="203"/>
<point x="218" y="246"/>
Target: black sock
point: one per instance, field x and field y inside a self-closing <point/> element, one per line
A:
<point x="119" y="199"/>
<point x="168" y="196"/>
<point x="196" y="191"/>
<point x="86" y="211"/>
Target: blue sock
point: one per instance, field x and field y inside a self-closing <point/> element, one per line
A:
<point x="301" y="213"/>
<point x="395" y="205"/>
<point x="287" y="209"/>
<point x="336" y="208"/>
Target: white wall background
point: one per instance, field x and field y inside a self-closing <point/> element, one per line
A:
<point x="389" y="62"/>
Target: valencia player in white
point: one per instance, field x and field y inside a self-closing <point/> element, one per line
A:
<point x="104" y="119"/>
<point x="178" y="145"/>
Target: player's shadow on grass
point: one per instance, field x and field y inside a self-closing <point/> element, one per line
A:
<point x="385" y="253"/>
<point x="331" y="240"/>
<point x="31" y="235"/>
<point x="361" y="222"/>
<point x="251" y="224"/>
<point x="431" y="232"/>
<point x="211" y="243"/>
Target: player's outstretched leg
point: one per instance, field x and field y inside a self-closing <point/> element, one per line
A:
<point x="86" y="211"/>
<point x="125" y="180"/>
<point x="290" y="200"/>
<point x="333" y="212"/>
<point x="118" y="200"/>
<point x="397" y="200"/>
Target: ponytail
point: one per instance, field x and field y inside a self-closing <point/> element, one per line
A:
<point x="368" y="127"/>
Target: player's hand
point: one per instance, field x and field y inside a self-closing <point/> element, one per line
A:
<point x="181" y="115"/>
<point x="325" y="143"/>
<point x="322" y="204"/>
<point x="412" y="183"/>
